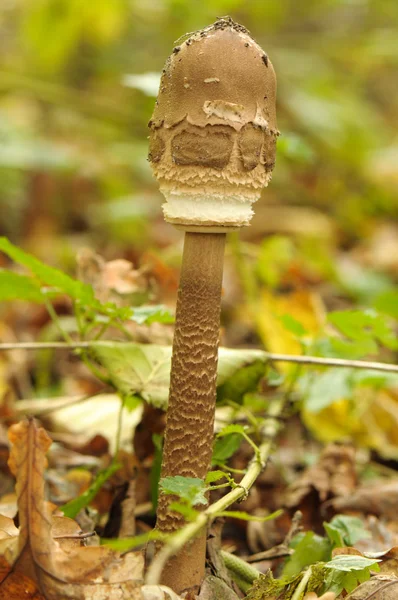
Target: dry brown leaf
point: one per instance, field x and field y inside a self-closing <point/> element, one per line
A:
<point x="378" y="587"/>
<point x="111" y="280"/>
<point x="62" y="567"/>
<point x="17" y="586"/>
<point x="377" y="498"/>
<point x="332" y="475"/>
<point x="158" y="592"/>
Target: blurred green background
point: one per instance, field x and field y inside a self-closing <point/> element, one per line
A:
<point x="77" y="87"/>
<point x="78" y="81"/>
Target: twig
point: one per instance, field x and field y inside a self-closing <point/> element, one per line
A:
<point x="44" y="345"/>
<point x="283" y="548"/>
<point x="176" y="541"/>
<point x="305" y="360"/>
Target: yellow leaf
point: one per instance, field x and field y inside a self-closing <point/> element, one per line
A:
<point x="304" y="307"/>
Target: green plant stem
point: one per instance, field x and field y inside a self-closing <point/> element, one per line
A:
<point x="300" y="589"/>
<point x="240" y="568"/>
<point x="55" y="319"/>
<point x="177" y="540"/>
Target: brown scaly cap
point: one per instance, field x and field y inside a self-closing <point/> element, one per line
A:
<point x="213" y="130"/>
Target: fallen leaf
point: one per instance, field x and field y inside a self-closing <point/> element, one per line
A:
<point x="304" y="307"/>
<point x="378" y="587"/>
<point x="332" y="475"/>
<point x="377" y="498"/>
<point x="63" y="568"/>
<point x="144" y="369"/>
<point x="214" y="588"/>
<point x="17" y="586"/>
<point x="113" y="281"/>
<point x="158" y="592"/>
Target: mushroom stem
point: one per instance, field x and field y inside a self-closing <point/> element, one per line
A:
<point x="190" y="417"/>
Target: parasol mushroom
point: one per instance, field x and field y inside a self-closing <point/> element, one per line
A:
<point x="212" y="149"/>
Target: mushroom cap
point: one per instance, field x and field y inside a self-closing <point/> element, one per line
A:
<point x="213" y="130"/>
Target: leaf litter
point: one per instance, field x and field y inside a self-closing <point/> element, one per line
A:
<point x="61" y="567"/>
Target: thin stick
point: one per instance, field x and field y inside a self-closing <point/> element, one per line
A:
<point x="182" y="537"/>
<point x="289" y="358"/>
<point x="190" y="415"/>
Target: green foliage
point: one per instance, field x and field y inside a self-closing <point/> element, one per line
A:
<point x="322" y="389"/>
<point x="72" y="508"/>
<point x="190" y="489"/>
<point x="152" y="314"/>
<point x="225" y="447"/>
<point x="387" y="303"/>
<point x="244" y="516"/>
<point x="244" y="380"/>
<point x="127" y="544"/>
<point x="144" y="369"/>
<point x="292" y="325"/>
<point x="365" y="329"/>
<point x="232" y="428"/>
<point x="347" y="571"/>
<point x="352" y="562"/>
<point x="311" y="548"/>
<point x="274" y="258"/>
<point x="323" y="573"/>
<point x="18" y="287"/>
<point x="344" y="530"/>
<point x="213" y="476"/>
<point x="56" y="279"/>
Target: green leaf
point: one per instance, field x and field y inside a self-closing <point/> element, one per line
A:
<point x="244" y="380"/>
<point x="376" y="379"/>
<point x="232" y="428"/>
<point x="225" y="447"/>
<point x="275" y="255"/>
<point x="322" y="389"/>
<point x="137" y="369"/>
<point x="190" y="489"/>
<point x="144" y="369"/>
<point x="387" y="303"/>
<point x="72" y="508"/>
<point x="152" y="314"/>
<point x="292" y="325"/>
<point x="310" y="549"/>
<point x="213" y="476"/>
<point x="351" y="529"/>
<point x="335" y="536"/>
<point x="18" y="287"/>
<point x="347" y="571"/>
<point x="126" y="544"/>
<point x="352" y="562"/>
<point x="337" y="580"/>
<point x="131" y="402"/>
<point x="244" y="516"/>
<point x="274" y="378"/>
<point x="185" y="510"/>
<point x="48" y="275"/>
<point x="364" y="327"/>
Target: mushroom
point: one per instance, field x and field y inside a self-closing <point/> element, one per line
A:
<point x="212" y="149"/>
